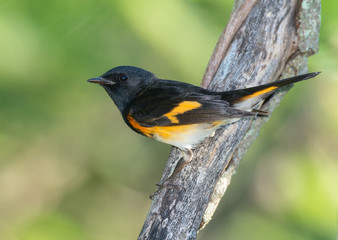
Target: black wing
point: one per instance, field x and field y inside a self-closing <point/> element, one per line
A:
<point x="170" y="103"/>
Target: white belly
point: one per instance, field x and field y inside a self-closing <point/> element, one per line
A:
<point x="186" y="136"/>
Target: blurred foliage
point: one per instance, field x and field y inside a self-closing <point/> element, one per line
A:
<point x="71" y="169"/>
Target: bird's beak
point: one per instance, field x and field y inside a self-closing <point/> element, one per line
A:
<point x="101" y="80"/>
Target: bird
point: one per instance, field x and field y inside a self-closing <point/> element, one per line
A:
<point x="181" y="114"/>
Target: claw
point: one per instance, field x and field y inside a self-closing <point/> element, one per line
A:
<point x="163" y="186"/>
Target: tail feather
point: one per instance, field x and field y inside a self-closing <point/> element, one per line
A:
<point x="248" y="97"/>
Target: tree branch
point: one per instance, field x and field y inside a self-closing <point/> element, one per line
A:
<point x="263" y="40"/>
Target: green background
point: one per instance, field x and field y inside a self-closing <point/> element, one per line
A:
<point x="71" y="169"/>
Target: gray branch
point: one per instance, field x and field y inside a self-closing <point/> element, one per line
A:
<point x="264" y="40"/>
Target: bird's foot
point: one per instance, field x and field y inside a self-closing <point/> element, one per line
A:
<point x="163" y="185"/>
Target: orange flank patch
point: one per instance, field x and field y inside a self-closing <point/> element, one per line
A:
<point x="183" y="107"/>
<point x="167" y="133"/>
<point x="181" y="136"/>
<point x="255" y="94"/>
<point x="144" y="130"/>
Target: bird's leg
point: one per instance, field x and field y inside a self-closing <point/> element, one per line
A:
<point x="184" y="160"/>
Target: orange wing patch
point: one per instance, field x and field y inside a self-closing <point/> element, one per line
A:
<point x="255" y="94"/>
<point x="183" y="107"/>
<point x="167" y="133"/>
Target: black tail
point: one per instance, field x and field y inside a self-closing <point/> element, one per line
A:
<point x="256" y="93"/>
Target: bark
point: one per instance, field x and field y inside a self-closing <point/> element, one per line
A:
<point x="264" y="40"/>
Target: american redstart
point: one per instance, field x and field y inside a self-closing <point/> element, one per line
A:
<point x="177" y="113"/>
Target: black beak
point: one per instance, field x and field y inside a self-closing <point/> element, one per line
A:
<point x="101" y="80"/>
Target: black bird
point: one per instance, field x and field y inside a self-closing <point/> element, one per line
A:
<point x="177" y="113"/>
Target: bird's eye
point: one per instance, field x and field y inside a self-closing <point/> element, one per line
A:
<point x="123" y="77"/>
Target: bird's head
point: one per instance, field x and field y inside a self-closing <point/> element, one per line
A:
<point x="124" y="83"/>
